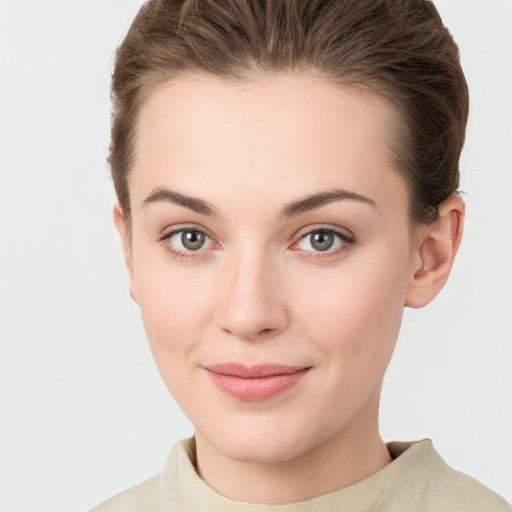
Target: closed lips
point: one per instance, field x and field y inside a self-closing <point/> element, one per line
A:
<point x="254" y="372"/>
<point x="255" y="383"/>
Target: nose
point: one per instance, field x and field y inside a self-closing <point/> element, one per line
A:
<point x="252" y="305"/>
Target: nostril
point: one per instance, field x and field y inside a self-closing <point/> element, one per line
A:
<point x="264" y="333"/>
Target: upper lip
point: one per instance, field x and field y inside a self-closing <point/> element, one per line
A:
<point x="254" y="371"/>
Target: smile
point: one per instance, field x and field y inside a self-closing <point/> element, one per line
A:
<point x="255" y="383"/>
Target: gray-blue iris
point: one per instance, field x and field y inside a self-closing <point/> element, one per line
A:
<point x="192" y="240"/>
<point x="322" y="240"/>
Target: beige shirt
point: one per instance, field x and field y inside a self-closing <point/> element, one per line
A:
<point x="417" y="480"/>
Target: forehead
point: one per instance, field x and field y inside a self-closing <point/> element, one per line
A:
<point x="296" y="129"/>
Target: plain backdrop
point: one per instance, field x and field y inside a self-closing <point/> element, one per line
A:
<point x="83" y="413"/>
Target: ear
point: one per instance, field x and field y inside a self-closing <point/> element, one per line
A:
<point x="437" y="246"/>
<point x="120" y="224"/>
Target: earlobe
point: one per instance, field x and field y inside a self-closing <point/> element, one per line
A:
<point x="437" y="247"/>
<point x="120" y="224"/>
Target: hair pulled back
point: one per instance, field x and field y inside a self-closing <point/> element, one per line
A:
<point x="398" y="49"/>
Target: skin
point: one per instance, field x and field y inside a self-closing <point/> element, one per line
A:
<point x="258" y="291"/>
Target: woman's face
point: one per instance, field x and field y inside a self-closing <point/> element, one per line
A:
<point x="270" y="256"/>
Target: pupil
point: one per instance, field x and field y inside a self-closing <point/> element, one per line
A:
<point x="192" y="240"/>
<point x="322" y="240"/>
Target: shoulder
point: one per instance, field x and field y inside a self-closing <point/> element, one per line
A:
<point x="153" y="494"/>
<point x="147" y="496"/>
<point x="443" y="488"/>
<point x="450" y="489"/>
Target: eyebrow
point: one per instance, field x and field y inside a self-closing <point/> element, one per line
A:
<point x="314" y="201"/>
<point x="292" y="209"/>
<point x="192" y="203"/>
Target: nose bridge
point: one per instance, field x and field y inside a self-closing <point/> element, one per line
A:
<point x="251" y="306"/>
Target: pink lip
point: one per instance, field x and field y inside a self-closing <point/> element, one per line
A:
<point x="255" y="383"/>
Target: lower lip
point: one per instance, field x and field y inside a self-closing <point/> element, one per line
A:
<point x="259" y="388"/>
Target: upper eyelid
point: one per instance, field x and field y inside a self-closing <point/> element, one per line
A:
<point x="342" y="232"/>
<point x="167" y="233"/>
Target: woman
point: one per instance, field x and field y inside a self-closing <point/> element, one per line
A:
<point x="287" y="180"/>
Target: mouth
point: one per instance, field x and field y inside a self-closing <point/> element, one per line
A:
<point x="255" y="383"/>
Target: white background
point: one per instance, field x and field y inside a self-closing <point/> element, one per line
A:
<point x="83" y="413"/>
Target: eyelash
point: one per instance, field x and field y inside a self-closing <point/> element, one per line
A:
<point x="346" y="241"/>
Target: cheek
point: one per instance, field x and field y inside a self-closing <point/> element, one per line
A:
<point x="174" y="312"/>
<point x="354" y="313"/>
<point x="175" y="303"/>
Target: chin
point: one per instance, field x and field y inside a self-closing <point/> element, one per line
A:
<point x="269" y="453"/>
<point x="263" y="444"/>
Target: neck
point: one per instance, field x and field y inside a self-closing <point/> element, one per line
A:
<point x="351" y="455"/>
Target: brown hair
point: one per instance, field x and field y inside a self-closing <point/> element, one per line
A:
<point x="398" y="49"/>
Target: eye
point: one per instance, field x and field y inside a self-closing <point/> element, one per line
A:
<point x="189" y="240"/>
<point x="323" y="240"/>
